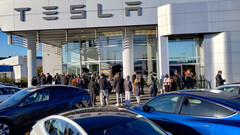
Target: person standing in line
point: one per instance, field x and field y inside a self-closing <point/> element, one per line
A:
<point x="150" y="79"/>
<point x="189" y="79"/>
<point x="134" y="76"/>
<point x="176" y="81"/>
<point x="128" y="91"/>
<point x="166" y="82"/>
<point x="34" y="81"/>
<point x="57" y="79"/>
<point x="103" y="84"/>
<point x="219" y="80"/>
<point x="153" y="89"/>
<point x="137" y="93"/>
<point x="118" y="83"/>
<point x="142" y="81"/>
<point x="92" y="86"/>
<point x="49" y="79"/>
<point x="135" y="81"/>
<point x="43" y="80"/>
<point x="79" y="80"/>
<point x="74" y="81"/>
<point x="64" y="79"/>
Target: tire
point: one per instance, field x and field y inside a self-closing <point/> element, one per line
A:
<point x="5" y="128"/>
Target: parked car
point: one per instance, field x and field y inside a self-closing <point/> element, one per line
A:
<point x="234" y="88"/>
<point x="97" y="121"/>
<point x="194" y="112"/>
<point x="7" y="84"/>
<point x="27" y="106"/>
<point x="7" y="91"/>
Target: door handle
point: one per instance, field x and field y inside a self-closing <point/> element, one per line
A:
<point x="204" y="125"/>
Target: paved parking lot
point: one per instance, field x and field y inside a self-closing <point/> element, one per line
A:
<point x="112" y="99"/>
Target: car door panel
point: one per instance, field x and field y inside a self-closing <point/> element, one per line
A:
<point x="197" y="114"/>
<point x="34" y="107"/>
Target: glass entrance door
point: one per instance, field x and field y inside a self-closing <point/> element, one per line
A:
<point x="174" y="68"/>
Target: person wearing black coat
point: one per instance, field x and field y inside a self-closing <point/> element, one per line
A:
<point x="34" y="81"/>
<point x="219" y="80"/>
<point x="64" y="80"/>
<point x="153" y="89"/>
<point x="142" y="81"/>
<point x="49" y="79"/>
<point x="137" y="93"/>
<point x="103" y="84"/>
<point x="92" y="86"/>
<point x="176" y="81"/>
<point x="118" y="83"/>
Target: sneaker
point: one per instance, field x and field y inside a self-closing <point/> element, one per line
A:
<point x="117" y="104"/>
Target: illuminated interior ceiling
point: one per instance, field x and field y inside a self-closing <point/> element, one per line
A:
<point x="58" y="37"/>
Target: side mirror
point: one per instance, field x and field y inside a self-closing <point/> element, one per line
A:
<point x="146" y="108"/>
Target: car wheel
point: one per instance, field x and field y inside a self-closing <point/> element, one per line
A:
<point x="5" y="128"/>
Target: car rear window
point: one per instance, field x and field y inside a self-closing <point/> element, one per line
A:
<point x="58" y="92"/>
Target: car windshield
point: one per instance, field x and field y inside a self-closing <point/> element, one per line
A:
<point x="120" y="126"/>
<point x="15" y="98"/>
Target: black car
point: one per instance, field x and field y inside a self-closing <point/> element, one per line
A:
<point x="27" y="106"/>
<point x="97" y="121"/>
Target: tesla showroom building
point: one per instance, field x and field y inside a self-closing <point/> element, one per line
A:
<point x="145" y="36"/>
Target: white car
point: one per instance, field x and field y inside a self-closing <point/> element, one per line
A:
<point x="7" y="91"/>
<point x="233" y="88"/>
<point x="97" y="121"/>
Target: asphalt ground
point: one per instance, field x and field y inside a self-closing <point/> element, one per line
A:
<point x="112" y="99"/>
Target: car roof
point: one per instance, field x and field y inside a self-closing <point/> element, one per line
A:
<point x="96" y="116"/>
<point x="4" y="86"/>
<point x="231" y="84"/>
<point x="227" y="98"/>
<point x="34" y="88"/>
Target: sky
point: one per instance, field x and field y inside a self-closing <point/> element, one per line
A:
<point x="10" y="50"/>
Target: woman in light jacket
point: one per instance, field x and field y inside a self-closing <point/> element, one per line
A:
<point x="166" y="83"/>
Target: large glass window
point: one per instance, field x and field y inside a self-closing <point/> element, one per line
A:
<point x="164" y="104"/>
<point x="196" y="107"/>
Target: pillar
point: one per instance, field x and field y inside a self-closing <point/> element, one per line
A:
<point x="127" y="53"/>
<point x="31" y="58"/>
<point x="163" y="56"/>
<point x="149" y="53"/>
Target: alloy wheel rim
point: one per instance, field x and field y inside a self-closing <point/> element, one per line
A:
<point x="4" y="129"/>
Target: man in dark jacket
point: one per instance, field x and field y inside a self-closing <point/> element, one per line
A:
<point x="118" y="83"/>
<point x="176" y="81"/>
<point x="153" y="89"/>
<point x="103" y="84"/>
<point x="92" y="86"/>
<point x="219" y="80"/>
<point x="64" y="80"/>
<point x="137" y="93"/>
<point x="49" y="79"/>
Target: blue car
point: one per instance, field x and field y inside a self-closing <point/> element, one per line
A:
<point x="194" y="112"/>
<point x="27" y="106"/>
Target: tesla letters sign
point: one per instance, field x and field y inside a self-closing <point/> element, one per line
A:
<point x="79" y="12"/>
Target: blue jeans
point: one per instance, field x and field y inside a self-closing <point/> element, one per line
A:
<point x="190" y="84"/>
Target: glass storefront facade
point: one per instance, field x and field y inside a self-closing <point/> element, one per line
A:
<point x="103" y="53"/>
<point x="187" y="53"/>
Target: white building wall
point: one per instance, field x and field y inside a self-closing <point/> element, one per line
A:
<point x="218" y="21"/>
<point x="19" y="64"/>
<point x="52" y="59"/>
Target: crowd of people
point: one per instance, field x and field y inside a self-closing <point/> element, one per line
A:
<point x="102" y="86"/>
<point x="177" y="81"/>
